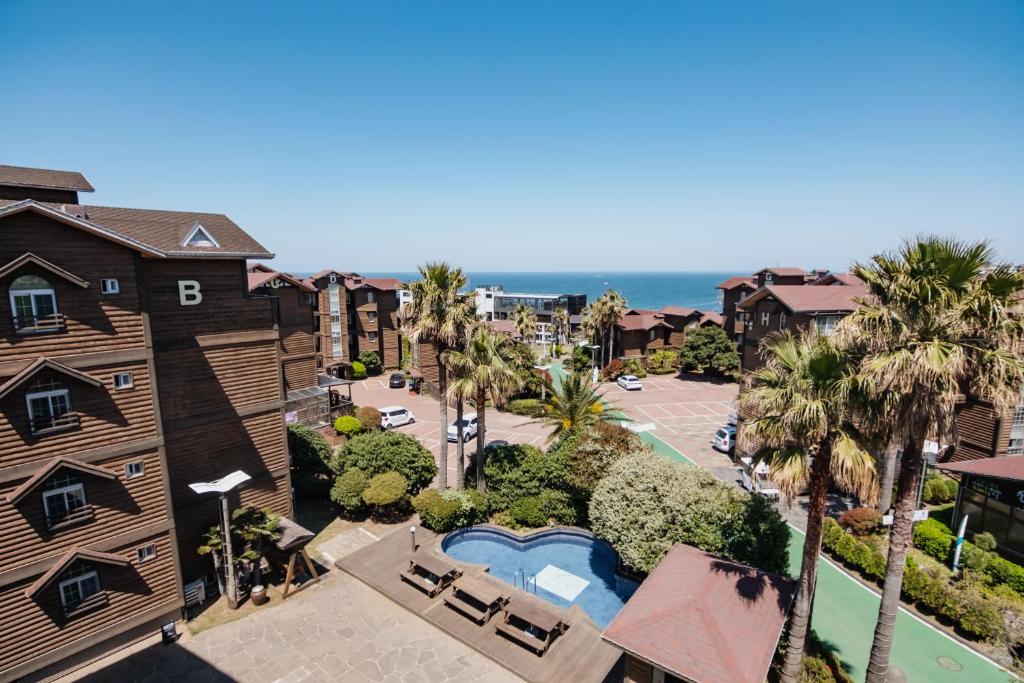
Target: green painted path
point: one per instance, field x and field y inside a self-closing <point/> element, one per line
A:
<point x="845" y="613"/>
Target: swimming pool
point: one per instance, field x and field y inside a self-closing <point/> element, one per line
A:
<point x="570" y="567"/>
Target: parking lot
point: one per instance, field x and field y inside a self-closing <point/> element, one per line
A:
<point x="374" y="392"/>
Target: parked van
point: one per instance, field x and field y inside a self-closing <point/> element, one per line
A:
<point x="757" y="478"/>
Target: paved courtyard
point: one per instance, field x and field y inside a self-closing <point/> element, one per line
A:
<point x="374" y="392"/>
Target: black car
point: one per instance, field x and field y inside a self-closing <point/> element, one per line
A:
<point x="396" y="381"/>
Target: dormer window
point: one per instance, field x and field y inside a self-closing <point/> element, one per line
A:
<point x="200" y="237"/>
<point x="34" y="305"/>
<point x="49" y="407"/>
<point x="79" y="583"/>
<point x="64" y="501"/>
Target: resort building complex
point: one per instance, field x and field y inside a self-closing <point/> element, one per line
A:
<point x="134" y="362"/>
<point x="493" y="303"/>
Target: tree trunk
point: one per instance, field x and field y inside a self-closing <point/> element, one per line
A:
<point x="899" y="540"/>
<point x="888" y="477"/>
<point x="611" y="340"/>
<point x="481" y="437"/>
<point x="460" y="445"/>
<point x="800" y="622"/>
<point x="442" y="386"/>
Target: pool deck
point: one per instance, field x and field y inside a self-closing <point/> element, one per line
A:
<point x="578" y="655"/>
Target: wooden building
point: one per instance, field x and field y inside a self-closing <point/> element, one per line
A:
<point x="639" y="333"/>
<point x="132" y="362"/>
<point x="733" y="290"/>
<point x="294" y="304"/>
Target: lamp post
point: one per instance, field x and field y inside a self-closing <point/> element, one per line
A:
<point x="593" y="361"/>
<point x="222" y="486"/>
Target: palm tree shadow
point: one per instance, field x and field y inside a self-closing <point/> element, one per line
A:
<point x="752" y="584"/>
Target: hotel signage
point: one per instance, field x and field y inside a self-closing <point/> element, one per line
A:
<point x="1007" y="492"/>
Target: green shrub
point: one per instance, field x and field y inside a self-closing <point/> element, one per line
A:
<point x="528" y="512"/>
<point x="952" y="488"/>
<point x="580" y="359"/>
<point x="310" y="463"/>
<point x="709" y="349"/>
<point x="371" y="362"/>
<point x="379" y="452"/>
<point x="853" y="552"/>
<point x="662" y="362"/>
<point x="832" y="533"/>
<point x="978" y="617"/>
<point x="589" y="455"/>
<point x="1002" y="571"/>
<point x="386" y="492"/>
<point x="985" y="541"/>
<point x="451" y="509"/>
<point x="815" y="670"/>
<point x="348" y="490"/>
<point x="518" y="471"/>
<point x="369" y="417"/>
<point x="529" y="407"/>
<point x="645" y="505"/>
<point x="358" y="370"/>
<point x="348" y="425"/>
<point x="861" y="521"/>
<point x="974" y="558"/>
<point x="504" y="518"/>
<point x="939" y="489"/>
<point x="933" y="538"/>
<point x="634" y="366"/>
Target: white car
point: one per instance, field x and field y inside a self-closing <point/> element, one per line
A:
<point x="630" y="383"/>
<point x="725" y="439"/>
<point x="395" y="416"/>
<point x="468" y="428"/>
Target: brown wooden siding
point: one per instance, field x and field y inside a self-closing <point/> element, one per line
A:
<point x="119" y="506"/>
<point x="299" y="373"/>
<point x="980" y="432"/>
<point x="637" y="670"/>
<point x="41" y="626"/>
<point x="107" y="417"/>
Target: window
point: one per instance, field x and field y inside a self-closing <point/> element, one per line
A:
<point x="371" y="316"/>
<point x="371" y="297"/>
<point x="82" y="582"/>
<point x="826" y="324"/>
<point x="766" y="318"/>
<point x="49" y="406"/>
<point x="1016" y="447"/>
<point x="146" y="552"/>
<point x="335" y="316"/>
<point x="33" y="304"/>
<point x="782" y="320"/>
<point x="63" y="497"/>
<point x="200" y="237"/>
<point x="134" y="469"/>
<point x="110" y="285"/>
<point x="372" y="336"/>
<point x="652" y="335"/>
<point x="123" y="380"/>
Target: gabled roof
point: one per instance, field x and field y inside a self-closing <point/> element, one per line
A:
<point x="153" y="232"/>
<point x="381" y="283"/>
<point x="783" y="271"/>
<point x="810" y="299"/>
<point x="67" y="560"/>
<point x="42" y="474"/>
<point x="260" y="268"/>
<point x="641" y="319"/>
<point x="1009" y="468"/>
<point x="711" y="317"/>
<point x="736" y="281"/>
<point x="47" y="364"/>
<point x="29" y="258"/>
<point x="258" y="279"/>
<point x="838" y="279"/>
<point x="43" y="178"/>
<point x="704" y="618"/>
<point x="681" y="311"/>
<point x="505" y="327"/>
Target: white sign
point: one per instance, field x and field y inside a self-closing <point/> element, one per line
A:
<point x="291" y="417"/>
<point x="919" y="516"/>
<point x="222" y="485"/>
<point x="188" y="293"/>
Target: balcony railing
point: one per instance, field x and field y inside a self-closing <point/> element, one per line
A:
<point x="94" y="601"/>
<point x="54" y="423"/>
<point x="39" y="325"/>
<point x="70" y="518"/>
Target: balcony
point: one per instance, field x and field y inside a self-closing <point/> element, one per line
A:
<point x="39" y="325"/>
<point x="54" y="423"/>
<point x="80" y="515"/>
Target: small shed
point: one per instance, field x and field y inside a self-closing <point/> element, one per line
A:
<point x="992" y="496"/>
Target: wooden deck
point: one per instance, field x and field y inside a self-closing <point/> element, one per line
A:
<point x="578" y="655"/>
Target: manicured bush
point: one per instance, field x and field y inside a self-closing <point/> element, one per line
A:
<point x="504" y="518"/>
<point x="379" y="452"/>
<point x="851" y="551"/>
<point x="985" y="541"/>
<point x="348" y="490"/>
<point x="662" y="362"/>
<point x="979" y="618"/>
<point x="645" y="505"/>
<point x="815" y="670"/>
<point x="709" y="349"/>
<point x="589" y="454"/>
<point x="529" y="407"/>
<point x="348" y="425"/>
<point x="952" y="488"/>
<point x="933" y="538"/>
<point x="358" y="370"/>
<point x="371" y="362"/>
<point x="1002" y="571"/>
<point x="518" y="471"/>
<point x="369" y="417"/>
<point x="939" y="489"/>
<point x="386" y="492"/>
<point x="861" y="521"/>
<point x="311" y="459"/>
<point x="634" y="366"/>
<point x="451" y="509"/>
<point x="528" y="512"/>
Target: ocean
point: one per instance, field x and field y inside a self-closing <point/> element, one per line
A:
<point x="641" y="290"/>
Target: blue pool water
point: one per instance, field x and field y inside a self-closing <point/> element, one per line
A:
<point x="577" y="568"/>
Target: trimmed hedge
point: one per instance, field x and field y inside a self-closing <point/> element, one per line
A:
<point x="936" y="540"/>
<point x="358" y="370"/>
<point x="549" y="506"/>
<point x="528" y="407"/>
<point x="348" y="490"/>
<point x="861" y="521"/>
<point x="450" y="509"/>
<point x="386" y="491"/>
<point x="348" y="425"/>
<point x="379" y="452"/>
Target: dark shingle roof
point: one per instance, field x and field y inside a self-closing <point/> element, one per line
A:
<point x="45" y="178"/>
<point x="1010" y="468"/>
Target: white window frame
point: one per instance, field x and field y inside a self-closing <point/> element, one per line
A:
<point x="62" y="492"/>
<point x="128" y="474"/>
<point x="50" y="394"/>
<point x="110" y="285"/>
<point x="651" y="335"/>
<point x="130" y="384"/>
<point x="146" y="552"/>
<point x="371" y="297"/>
<point x="32" y="294"/>
<point x="198" y="227"/>
<point x="826" y="324"/>
<point x="78" y="581"/>
<point x="782" y="320"/>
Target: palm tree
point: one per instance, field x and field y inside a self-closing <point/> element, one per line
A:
<point x="560" y="323"/>
<point x="484" y="369"/>
<point x="941" y="317"/>
<point x="802" y="401"/>
<point x="590" y="324"/>
<point x="440" y="313"/>
<point x="576" y="404"/>
<point x="525" y="321"/>
<point x="611" y="307"/>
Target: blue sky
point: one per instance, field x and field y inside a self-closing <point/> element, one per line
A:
<point x="536" y="135"/>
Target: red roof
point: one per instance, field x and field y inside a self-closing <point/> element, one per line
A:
<point x="711" y="317"/>
<point x="681" y="311"/>
<point x="382" y="283"/>
<point x="1010" y="467"/>
<point x="736" y="282"/>
<point x="810" y="299"/>
<point x="639" y="319"/>
<point x="505" y="327"/>
<point x="705" y="619"/>
<point x="784" y="271"/>
<point x="262" y="277"/>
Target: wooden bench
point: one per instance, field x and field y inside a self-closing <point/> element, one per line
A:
<point x="429" y="573"/>
<point x="477" y="598"/>
<point x="532" y="625"/>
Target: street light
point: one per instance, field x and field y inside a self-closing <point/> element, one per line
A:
<point x="594" y="348"/>
<point x="222" y="486"/>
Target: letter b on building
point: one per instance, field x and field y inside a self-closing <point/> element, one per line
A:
<point x="188" y="293"/>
